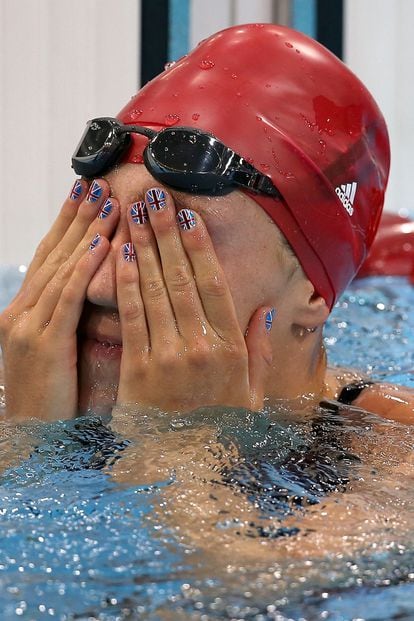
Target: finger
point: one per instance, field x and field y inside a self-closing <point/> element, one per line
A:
<point x="44" y="294"/>
<point x="65" y="218"/>
<point x="159" y="314"/>
<point x="67" y="311"/>
<point x="176" y="268"/>
<point x="260" y="354"/>
<point x="209" y="276"/>
<point x="130" y="304"/>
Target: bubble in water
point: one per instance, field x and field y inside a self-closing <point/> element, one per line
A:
<point x="207" y="64"/>
<point x="171" y="119"/>
<point x="195" y="116"/>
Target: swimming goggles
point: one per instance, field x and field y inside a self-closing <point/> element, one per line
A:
<point x="183" y="158"/>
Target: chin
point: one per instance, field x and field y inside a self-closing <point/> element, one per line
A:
<point x="98" y="376"/>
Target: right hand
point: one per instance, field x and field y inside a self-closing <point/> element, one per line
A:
<point x="38" y="328"/>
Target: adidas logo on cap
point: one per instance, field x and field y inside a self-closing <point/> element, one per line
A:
<point x="346" y="194"/>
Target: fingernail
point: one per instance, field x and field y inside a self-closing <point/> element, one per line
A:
<point x="128" y="252"/>
<point x="76" y="190"/>
<point x="186" y="219"/>
<point x="156" y="199"/>
<point x="105" y="209"/>
<point x="94" y="192"/>
<point x="95" y="242"/>
<point x="269" y="319"/>
<point x="139" y="213"/>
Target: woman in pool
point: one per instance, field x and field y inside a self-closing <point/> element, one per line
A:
<point x="224" y="213"/>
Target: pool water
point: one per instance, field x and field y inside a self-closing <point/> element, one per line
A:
<point x="224" y="514"/>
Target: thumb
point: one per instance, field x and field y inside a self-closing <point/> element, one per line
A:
<point x="260" y="353"/>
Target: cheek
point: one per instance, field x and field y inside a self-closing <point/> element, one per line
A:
<point x="246" y="280"/>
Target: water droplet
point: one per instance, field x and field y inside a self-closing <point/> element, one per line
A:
<point x="170" y="64"/>
<point x="207" y="64"/>
<point x="137" y="158"/>
<point x="265" y="167"/>
<point x="135" y="113"/>
<point x="192" y="139"/>
<point x="259" y="118"/>
<point x="268" y="85"/>
<point x="171" y="119"/>
<point x="195" y="116"/>
<point x="234" y="76"/>
<point x="288" y="44"/>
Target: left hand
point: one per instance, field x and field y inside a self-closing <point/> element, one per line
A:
<point x="182" y="344"/>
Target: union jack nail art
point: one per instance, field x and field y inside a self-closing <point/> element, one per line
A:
<point x="76" y="191"/>
<point x="269" y="319"/>
<point x="186" y="219"/>
<point x="94" y="242"/>
<point x="156" y="199"/>
<point x="129" y="252"/>
<point x="94" y="193"/>
<point x="139" y="213"/>
<point x="105" y="209"/>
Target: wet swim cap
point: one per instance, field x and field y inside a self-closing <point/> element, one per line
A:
<point x="300" y="116"/>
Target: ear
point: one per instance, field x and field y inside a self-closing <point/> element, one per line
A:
<point x="311" y="310"/>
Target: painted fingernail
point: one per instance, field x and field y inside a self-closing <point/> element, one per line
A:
<point x="186" y="219"/>
<point x="128" y="252"/>
<point x="156" y="199"/>
<point x="139" y="213"/>
<point x="95" y="242"/>
<point x="94" y="192"/>
<point x="269" y="319"/>
<point x="105" y="210"/>
<point x="76" y="191"/>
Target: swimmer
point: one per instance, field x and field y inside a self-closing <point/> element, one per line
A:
<point x="214" y="224"/>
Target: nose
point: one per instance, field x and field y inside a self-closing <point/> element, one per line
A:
<point x="102" y="288"/>
<point x="127" y="183"/>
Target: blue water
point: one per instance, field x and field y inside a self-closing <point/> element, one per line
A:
<point x="148" y="517"/>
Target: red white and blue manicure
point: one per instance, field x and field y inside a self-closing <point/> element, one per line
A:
<point x="105" y="209"/>
<point x="139" y="213"/>
<point x="128" y="252"/>
<point x="94" y="242"/>
<point x="269" y="319"/>
<point x="76" y="190"/>
<point x="94" y="193"/>
<point x="186" y="219"/>
<point x="156" y="199"/>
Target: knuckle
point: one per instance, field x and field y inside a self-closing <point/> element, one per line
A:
<point x="132" y="312"/>
<point x="178" y="278"/>
<point x="153" y="288"/>
<point x="56" y="258"/>
<point x="213" y="285"/>
<point x="69" y="294"/>
<point x="167" y="357"/>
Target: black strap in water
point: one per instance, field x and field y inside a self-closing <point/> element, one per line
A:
<point x="350" y="392"/>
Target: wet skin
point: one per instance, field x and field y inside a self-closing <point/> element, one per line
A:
<point x="244" y="252"/>
<point x="180" y="310"/>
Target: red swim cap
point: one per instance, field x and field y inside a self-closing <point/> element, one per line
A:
<point x="300" y="116"/>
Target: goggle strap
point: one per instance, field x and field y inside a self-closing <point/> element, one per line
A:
<point x="254" y="181"/>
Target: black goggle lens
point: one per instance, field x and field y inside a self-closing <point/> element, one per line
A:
<point x="186" y="159"/>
